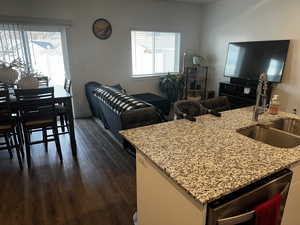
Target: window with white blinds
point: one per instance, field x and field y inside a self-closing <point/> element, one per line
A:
<point x="154" y="53"/>
<point x="41" y="48"/>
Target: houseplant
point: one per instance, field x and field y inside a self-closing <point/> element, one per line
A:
<point x="28" y="80"/>
<point x="8" y="73"/>
<point x="172" y="85"/>
<point x="18" y="70"/>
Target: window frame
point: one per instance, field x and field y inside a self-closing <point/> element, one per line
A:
<point x="154" y="75"/>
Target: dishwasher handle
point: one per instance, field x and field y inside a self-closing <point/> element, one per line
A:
<point x="245" y="217"/>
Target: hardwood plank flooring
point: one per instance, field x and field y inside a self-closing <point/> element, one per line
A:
<point x="98" y="189"/>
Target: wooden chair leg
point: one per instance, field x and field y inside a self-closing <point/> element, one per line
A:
<point x="20" y="132"/>
<point x="7" y="140"/>
<point x="17" y="144"/>
<point x="45" y="140"/>
<point x="27" y="144"/>
<point x="20" y="139"/>
<point x="67" y="122"/>
<point x="57" y="142"/>
<point x="62" y="123"/>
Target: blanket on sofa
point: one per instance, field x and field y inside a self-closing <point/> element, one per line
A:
<point x="118" y="101"/>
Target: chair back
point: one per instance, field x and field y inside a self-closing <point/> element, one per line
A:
<point x="3" y="86"/>
<point x="67" y="85"/>
<point x="43" y="82"/>
<point x="5" y="109"/>
<point x="192" y="108"/>
<point x="36" y="104"/>
<point x="218" y="104"/>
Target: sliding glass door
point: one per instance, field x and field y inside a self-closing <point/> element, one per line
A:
<point x="42" y="48"/>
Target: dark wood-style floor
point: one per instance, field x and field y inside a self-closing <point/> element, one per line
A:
<point x="98" y="190"/>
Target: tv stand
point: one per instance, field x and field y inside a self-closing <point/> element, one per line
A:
<point x="246" y="83"/>
<point x="241" y="93"/>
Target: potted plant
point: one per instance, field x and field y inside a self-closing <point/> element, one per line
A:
<point x="8" y="73"/>
<point x="172" y="85"/>
<point x="18" y="70"/>
<point x="29" y="80"/>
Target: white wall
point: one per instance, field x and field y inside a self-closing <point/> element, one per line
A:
<point x="109" y="61"/>
<point x="248" y="20"/>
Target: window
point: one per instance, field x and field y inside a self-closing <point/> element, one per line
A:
<point x="154" y="53"/>
<point x="42" y="48"/>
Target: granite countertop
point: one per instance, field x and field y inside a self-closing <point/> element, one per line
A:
<point x="208" y="158"/>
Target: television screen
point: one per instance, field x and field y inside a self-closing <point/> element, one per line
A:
<point x="247" y="60"/>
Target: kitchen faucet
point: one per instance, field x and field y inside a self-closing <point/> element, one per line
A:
<point x="261" y="97"/>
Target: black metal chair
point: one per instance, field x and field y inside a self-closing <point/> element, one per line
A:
<point x="188" y="108"/>
<point x="218" y="104"/>
<point x="8" y="128"/>
<point x="38" y="113"/>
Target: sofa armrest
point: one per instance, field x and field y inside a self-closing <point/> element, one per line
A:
<point x="140" y="117"/>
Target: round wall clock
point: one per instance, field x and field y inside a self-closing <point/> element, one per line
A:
<point x="102" y="29"/>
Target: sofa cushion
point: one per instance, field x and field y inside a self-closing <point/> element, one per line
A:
<point x="118" y="87"/>
<point x="118" y="101"/>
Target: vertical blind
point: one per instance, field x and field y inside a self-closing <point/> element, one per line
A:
<point x="41" y="48"/>
<point x="12" y="43"/>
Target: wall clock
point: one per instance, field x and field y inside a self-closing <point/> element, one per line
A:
<point x="102" y="29"/>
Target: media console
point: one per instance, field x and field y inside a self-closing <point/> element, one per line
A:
<point x="240" y="93"/>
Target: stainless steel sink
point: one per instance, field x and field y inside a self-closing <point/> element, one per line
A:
<point x="289" y="125"/>
<point x="271" y="136"/>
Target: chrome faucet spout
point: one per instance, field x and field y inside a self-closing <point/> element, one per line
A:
<point x="261" y="97"/>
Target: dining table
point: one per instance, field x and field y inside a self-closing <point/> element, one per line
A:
<point x="61" y="96"/>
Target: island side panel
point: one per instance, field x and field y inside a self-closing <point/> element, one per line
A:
<point x="160" y="201"/>
<point x="291" y="214"/>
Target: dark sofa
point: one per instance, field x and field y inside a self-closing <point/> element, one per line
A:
<point x="114" y="121"/>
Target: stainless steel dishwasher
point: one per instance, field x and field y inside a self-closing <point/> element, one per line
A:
<point x="238" y="208"/>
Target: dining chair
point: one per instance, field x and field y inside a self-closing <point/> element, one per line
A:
<point x="3" y="85"/>
<point x="62" y="112"/>
<point x="43" y="81"/>
<point x="38" y="113"/>
<point x="67" y="85"/>
<point x="8" y="128"/>
<point x="188" y="108"/>
<point x="218" y="104"/>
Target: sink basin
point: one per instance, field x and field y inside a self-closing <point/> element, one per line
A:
<point x="289" y="125"/>
<point x="271" y="136"/>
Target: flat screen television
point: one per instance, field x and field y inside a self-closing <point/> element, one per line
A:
<point x="247" y="60"/>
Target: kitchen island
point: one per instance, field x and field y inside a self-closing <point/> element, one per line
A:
<point x="183" y="165"/>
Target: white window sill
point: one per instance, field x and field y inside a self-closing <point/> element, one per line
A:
<point x="143" y="76"/>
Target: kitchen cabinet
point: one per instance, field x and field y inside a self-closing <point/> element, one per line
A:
<point x="160" y="201"/>
<point x="291" y="214"/>
<point x="184" y="168"/>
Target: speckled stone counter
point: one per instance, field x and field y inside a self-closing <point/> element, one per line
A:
<point x="208" y="158"/>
